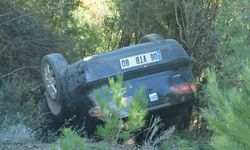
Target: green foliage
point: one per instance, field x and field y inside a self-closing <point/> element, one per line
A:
<point x="177" y="143"/>
<point x="115" y="127"/>
<point x="24" y="40"/>
<point x="128" y="25"/>
<point x="15" y="101"/>
<point x="137" y="111"/>
<point x="28" y="31"/>
<point x="228" y="87"/>
<point x="233" y="29"/>
<point x="68" y="19"/>
<point x="31" y="29"/>
<point x="228" y="113"/>
<point x="70" y="141"/>
<point x="185" y="21"/>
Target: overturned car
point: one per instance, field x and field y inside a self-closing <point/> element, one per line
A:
<point x="160" y="65"/>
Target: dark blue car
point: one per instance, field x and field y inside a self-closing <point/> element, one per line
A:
<point x="159" y="65"/>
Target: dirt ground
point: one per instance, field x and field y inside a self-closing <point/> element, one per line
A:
<point x="23" y="145"/>
<point x="19" y="137"/>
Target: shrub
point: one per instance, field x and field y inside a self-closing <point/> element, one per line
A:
<point x="228" y="113"/>
<point x="70" y="140"/>
<point x="177" y="143"/>
<point x="16" y="100"/>
<point x="228" y="86"/>
<point x="116" y="128"/>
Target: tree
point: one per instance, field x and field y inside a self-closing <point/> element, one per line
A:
<point x="228" y="87"/>
<point x="117" y="128"/>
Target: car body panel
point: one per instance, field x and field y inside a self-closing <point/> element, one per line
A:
<point x="108" y="64"/>
<point x="82" y="78"/>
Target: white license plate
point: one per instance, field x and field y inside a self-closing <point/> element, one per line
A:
<point x="141" y="59"/>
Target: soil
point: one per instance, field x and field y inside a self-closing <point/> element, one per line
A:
<point x="19" y="137"/>
<point x="23" y="145"/>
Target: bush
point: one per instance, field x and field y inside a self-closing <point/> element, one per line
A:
<point x="70" y="141"/>
<point x="15" y="98"/>
<point x="228" y="83"/>
<point x="228" y="113"/>
<point x="24" y="39"/>
<point x="115" y="127"/>
<point x="28" y="31"/>
<point x="178" y="143"/>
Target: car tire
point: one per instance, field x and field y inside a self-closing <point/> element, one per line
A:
<point x="51" y="68"/>
<point x="151" y="38"/>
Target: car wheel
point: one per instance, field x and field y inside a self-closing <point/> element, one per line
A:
<point x="55" y="107"/>
<point x="51" y="68"/>
<point x="151" y="38"/>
